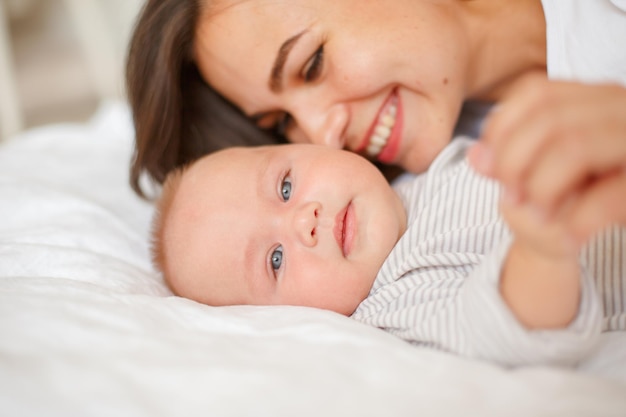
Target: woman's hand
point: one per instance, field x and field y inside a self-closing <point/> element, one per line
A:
<point x="560" y="147"/>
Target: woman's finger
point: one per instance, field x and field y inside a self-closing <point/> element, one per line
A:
<point x="506" y="117"/>
<point x="598" y="207"/>
<point x="563" y="168"/>
<point x="587" y="141"/>
<point x="512" y="109"/>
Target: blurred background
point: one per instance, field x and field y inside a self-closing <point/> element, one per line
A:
<point x="60" y="58"/>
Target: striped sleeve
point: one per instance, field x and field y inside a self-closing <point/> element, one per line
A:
<point x="440" y="285"/>
<point x="496" y="335"/>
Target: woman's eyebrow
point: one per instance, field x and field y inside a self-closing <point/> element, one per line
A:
<point x="276" y="76"/>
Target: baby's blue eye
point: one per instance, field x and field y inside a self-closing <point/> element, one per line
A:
<point x="277" y="258"/>
<point x="285" y="189"/>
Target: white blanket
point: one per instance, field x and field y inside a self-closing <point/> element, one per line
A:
<point x="87" y="328"/>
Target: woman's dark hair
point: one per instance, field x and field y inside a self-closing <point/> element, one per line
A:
<point x="177" y="116"/>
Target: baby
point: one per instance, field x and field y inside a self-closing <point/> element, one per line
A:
<point x="430" y="260"/>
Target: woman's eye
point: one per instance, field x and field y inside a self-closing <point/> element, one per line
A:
<point x="313" y="67"/>
<point x="285" y="189"/>
<point x="277" y="258"/>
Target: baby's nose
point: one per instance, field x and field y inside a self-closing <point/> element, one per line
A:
<point x="305" y="222"/>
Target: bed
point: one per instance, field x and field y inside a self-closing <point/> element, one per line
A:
<point x="88" y="328"/>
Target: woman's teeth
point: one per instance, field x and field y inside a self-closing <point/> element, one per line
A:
<point x="383" y="129"/>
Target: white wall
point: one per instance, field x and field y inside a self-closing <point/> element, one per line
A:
<point x="60" y="58"/>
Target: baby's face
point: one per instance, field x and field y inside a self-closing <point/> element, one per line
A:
<point x="281" y="225"/>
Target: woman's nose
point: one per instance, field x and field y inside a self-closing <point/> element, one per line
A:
<point x="305" y="221"/>
<point x="326" y="127"/>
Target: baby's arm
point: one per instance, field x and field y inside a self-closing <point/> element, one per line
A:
<point x="449" y="291"/>
<point x="541" y="276"/>
<point x="560" y="147"/>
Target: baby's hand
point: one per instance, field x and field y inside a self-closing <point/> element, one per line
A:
<point x="542" y="237"/>
<point x="556" y="145"/>
<point x="540" y="279"/>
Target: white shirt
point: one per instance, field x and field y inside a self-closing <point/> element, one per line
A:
<point x="586" y="40"/>
<point x="439" y="286"/>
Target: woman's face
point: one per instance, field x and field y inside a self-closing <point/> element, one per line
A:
<point x="384" y="79"/>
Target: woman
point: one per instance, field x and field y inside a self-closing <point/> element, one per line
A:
<point x="387" y="80"/>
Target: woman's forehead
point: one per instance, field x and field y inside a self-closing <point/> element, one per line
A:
<point x="248" y="26"/>
<point x="236" y="48"/>
<point x="275" y="7"/>
<point x="260" y="12"/>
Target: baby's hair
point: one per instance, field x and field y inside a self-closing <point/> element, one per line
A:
<point x="160" y="219"/>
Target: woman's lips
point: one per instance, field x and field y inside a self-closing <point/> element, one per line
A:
<point x="345" y="228"/>
<point x="382" y="140"/>
<point x="390" y="151"/>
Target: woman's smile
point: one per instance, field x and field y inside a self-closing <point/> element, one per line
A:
<point x="383" y="137"/>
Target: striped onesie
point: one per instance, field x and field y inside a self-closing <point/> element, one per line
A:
<point x="439" y="285"/>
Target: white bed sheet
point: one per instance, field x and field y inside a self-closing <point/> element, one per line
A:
<point x="87" y="328"/>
